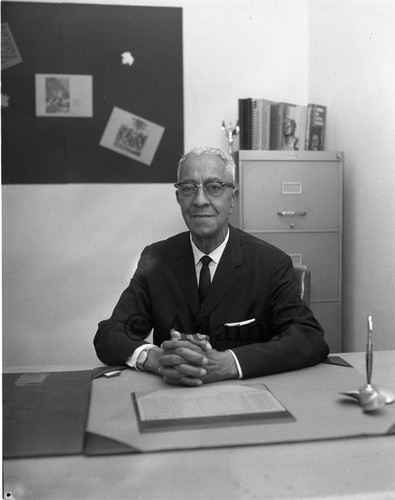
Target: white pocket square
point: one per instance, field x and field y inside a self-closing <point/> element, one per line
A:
<point x="241" y="323"/>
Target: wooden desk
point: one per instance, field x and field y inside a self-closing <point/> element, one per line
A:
<point x="359" y="468"/>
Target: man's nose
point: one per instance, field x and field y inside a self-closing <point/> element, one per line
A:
<point x="201" y="197"/>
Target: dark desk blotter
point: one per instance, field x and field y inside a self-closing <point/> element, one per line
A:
<point x="45" y="414"/>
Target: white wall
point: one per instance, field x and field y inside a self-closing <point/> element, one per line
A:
<point x="352" y="71"/>
<point x="68" y="251"/>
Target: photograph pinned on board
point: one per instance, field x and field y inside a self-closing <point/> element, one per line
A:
<point x="64" y="96"/>
<point x="132" y="136"/>
<point x="10" y="55"/>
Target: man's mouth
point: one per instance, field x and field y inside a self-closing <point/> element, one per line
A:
<point x="199" y="216"/>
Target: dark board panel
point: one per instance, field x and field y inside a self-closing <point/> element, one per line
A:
<point x="76" y="39"/>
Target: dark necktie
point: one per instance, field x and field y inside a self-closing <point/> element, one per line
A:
<point x="204" y="279"/>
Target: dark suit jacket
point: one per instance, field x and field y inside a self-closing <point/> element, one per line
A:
<point x="253" y="280"/>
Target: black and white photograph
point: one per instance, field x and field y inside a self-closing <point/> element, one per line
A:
<point x="10" y="55"/>
<point x="132" y="136"/>
<point x="66" y="96"/>
<point x="198" y="250"/>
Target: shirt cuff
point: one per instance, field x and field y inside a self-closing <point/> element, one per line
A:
<point x="132" y="361"/>
<point x="237" y="363"/>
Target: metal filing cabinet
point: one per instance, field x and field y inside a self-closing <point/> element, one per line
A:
<point x="294" y="200"/>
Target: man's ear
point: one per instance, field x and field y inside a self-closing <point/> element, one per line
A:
<point x="235" y="199"/>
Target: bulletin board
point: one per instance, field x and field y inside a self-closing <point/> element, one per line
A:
<point x="126" y="65"/>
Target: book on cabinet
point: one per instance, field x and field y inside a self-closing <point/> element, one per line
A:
<point x="261" y="119"/>
<point x="315" y="127"/>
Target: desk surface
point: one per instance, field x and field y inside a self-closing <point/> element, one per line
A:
<point x="356" y="468"/>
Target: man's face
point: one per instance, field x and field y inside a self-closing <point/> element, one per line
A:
<point x="206" y="217"/>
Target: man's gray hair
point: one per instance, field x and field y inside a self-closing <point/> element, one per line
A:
<point x="210" y="151"/>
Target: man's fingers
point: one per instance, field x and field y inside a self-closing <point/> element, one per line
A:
<point x="175" y="334"/>
<point x="182" y="375"/>
<point x="191" y="371"/>
<point x="181" y="347"/>
<point x="171" y="360"/>
<point x="190" y="382"/>
<point x="200" y="340"/>
<point x="195" y="338"/>
<point x="183" y="357"/>
<point x="197" y="345"/>
<point x="179" y="371"/>
<point x="175" y="344"/>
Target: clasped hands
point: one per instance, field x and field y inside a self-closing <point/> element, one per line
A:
<point x="190" y="360"/>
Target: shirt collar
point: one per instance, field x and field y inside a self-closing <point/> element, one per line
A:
<point x="215" y="254"/>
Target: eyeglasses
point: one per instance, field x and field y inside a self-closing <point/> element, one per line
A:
<point x="212" y="189"/>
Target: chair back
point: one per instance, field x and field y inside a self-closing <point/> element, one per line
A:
<point x="303" y="282"/>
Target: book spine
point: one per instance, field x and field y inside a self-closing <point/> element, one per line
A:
<point x="256" y="125"/>
<point x="302" y="127"/>
<point x="308" y="122"/>
<point x="261" y="109"/>
<point x="241" y="124"/>
<point x="265" y="111"/>
<point x="259" y="123"/>
<point x="276" y="126"/>
<point x="248" y="144"/>
<point x="245" y="123"/>
<point x="320" y="123"/>
<point x="315" y="127"/>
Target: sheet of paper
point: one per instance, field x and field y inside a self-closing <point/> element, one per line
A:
<point x="207" y="401"/>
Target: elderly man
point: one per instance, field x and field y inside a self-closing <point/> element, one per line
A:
<point x="222" y="304"/>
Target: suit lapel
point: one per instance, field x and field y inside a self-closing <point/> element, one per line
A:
<point x="184" y="269"/>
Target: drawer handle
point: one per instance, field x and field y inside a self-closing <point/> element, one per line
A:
<point x="291" y="212"/>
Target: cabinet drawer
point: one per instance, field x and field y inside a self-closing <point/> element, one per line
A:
<point x="318" y="251"/>
<point x="280" y="194"/>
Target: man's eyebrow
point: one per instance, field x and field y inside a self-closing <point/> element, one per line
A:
<point x="187" y="180"/>
<point x="210" y="179"/>
<point x="213" y="179"/>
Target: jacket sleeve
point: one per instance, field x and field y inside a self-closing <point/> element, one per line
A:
<point x="130" y="322"/>
<point x="297" y="339"/>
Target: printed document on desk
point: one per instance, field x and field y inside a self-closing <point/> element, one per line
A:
<point x="217" y="405"/>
